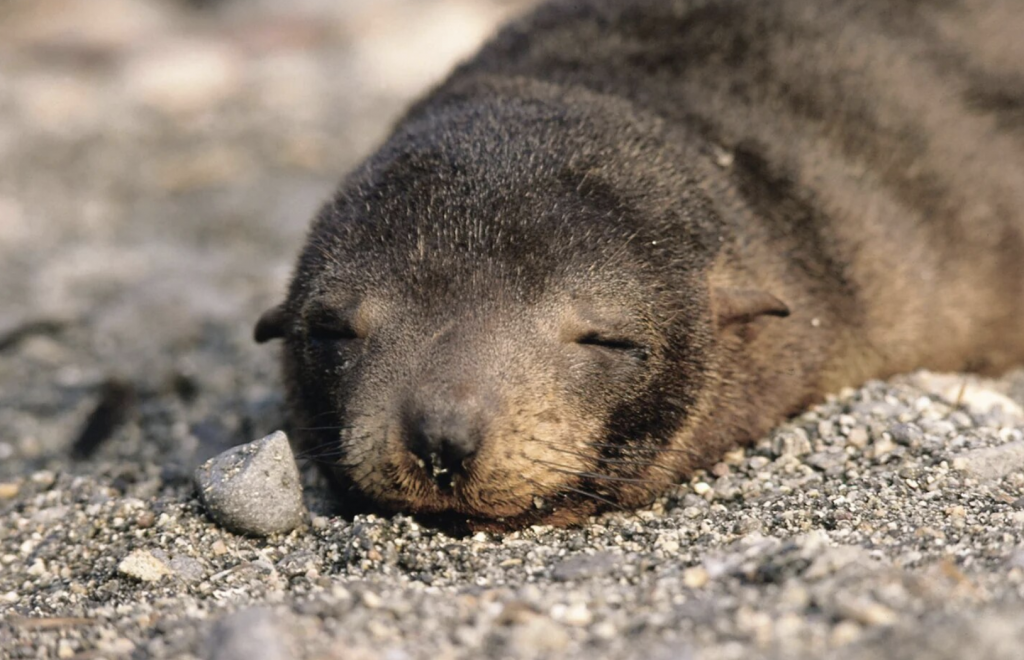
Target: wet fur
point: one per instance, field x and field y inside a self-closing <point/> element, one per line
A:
<point x="702" y="168"/>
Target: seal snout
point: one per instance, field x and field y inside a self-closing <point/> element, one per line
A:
<point x="444" y="433"/>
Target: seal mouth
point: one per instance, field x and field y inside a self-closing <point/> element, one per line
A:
<point x="442" y="477"/>
<point x="463" y="498"/>
<point x="560" y="510"/>
<point x="466" y="500"/>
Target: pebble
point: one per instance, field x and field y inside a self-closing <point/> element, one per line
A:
<point x="695" y="577"/>
<point x="701" y="488"/>
<point x="585" y="566"/>
<point x="254" y="489"/>
<point x="539" y="635"/>
<point x="967" y="392"/>
<point x="576" y="614"/>
<point x="880" y="447"/>
<point x="249" y="634"/>
<point x="793" y="442"/>
<point x="991" y="463"/>
<point x="845" y="632"/>
<point x="826" y="461"/>
<point x="906" y="434"/>
<point x="858" y="437"/>
<point x="142" y="565"/>
<point x="866" y="612"/>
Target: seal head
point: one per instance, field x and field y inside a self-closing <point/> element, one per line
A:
<point x="504" y="315"/>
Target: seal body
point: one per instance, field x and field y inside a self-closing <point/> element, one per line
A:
<point x="630" y="234"/>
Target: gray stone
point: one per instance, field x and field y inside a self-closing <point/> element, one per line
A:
<point x="143" y="566"/>
<point x="906" y="434"/>
<point x="251" y="634"/>
<point x="993" y="633"/>
<point x="253" y="489"/>
<point x="826" y="461"/>
<point x="991" y="463"/>
<point x="586" y="566"/>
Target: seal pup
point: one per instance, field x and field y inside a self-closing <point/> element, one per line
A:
<point x="631" y="234"/>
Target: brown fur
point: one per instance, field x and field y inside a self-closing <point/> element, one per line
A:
<point x="631" y="234"/>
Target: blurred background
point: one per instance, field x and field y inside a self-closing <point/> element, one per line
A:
<point x="159" y="163"/>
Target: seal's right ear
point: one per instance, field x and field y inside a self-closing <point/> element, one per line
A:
<point x="734" y="305"/>
<point x="271" y="325"/>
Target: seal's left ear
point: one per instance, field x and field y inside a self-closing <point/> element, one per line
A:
<point x="271" y="325"/>
<point x="733" y="305"/>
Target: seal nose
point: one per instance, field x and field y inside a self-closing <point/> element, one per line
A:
<point x="445" y="438"/>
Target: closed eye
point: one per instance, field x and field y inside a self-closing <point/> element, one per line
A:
<point x="329" y="326"/>
<point x="614" y="343"/>
<point x="331" y="333"/>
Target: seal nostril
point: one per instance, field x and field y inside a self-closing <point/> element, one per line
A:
<point x="443" y="451"/>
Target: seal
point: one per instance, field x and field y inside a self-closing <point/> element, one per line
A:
<point x="631" y="234"/>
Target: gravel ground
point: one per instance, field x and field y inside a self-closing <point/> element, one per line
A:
<point x="158" y="165"/>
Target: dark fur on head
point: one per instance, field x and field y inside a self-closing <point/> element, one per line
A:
<point x="563" y="282"/>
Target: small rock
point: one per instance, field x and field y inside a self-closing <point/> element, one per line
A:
<point x="858" y="437"/>
<point x="866" y="612"/>
<point x="695" y="577"/>
<point x="64" y="649"/>
<point x="992" y="462"/>
<point x="143" y="566"/>
<point x="968" y="392"/>
<point x="539" y="635"/>
<point x="734" y="457"/>
<point x="826" y="461"/>
<point x="516" y="612"/>
<point x="43" y="478"/>
<point x="906" y="434"/>
<point x="9" y="490"/>
<point x="882" y="446"/>
<point x="252" y="634"/>
<point x="577" y="614"/>
<point x="720" y="469"/>
<point x="1016" y="559"/>
<point x="586" y="566"/>
<point x="118" y="647"/>
<point x="756" y="463"/>
<point x="791" y="443"/>
<point x="187" y="568"/>
<point x="828" y="561"/>
<point x="845" y="632"/>
<point x="254" y="488"/>
<point x="297" y="563"/>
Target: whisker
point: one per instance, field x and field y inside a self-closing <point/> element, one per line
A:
<point x="565" y="469"/>
<point x="602" y="477"/>
<point x="612" y="445"/>
<point x="668" y="450"/>
<point x="326" y="413"/>
<point x="579" y="491"/>
<point x="330" y="463"/>
<point x="320" y="455"/>
<point x="613" y="461"/>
